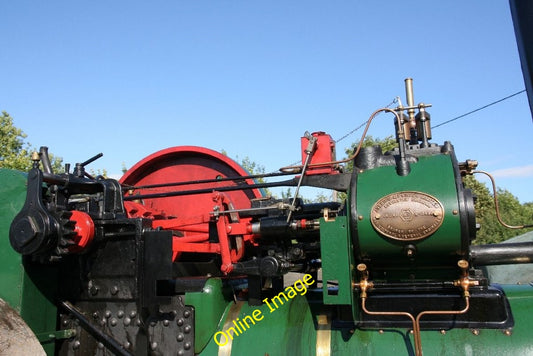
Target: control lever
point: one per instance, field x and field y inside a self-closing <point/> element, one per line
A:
<point x="79" y="171"/>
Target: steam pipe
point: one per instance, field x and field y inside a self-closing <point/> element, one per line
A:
<point x="502" y="254"/>
<point x="45" y="159"/>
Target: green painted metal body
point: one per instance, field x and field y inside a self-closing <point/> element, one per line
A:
<point x="433" y="175"/>
<point x="28" y="290"/>
<point x="210" y="305"/>
<point x="288" y="330"/>
<point x="338" y="264"/>
<point x="295" y="327"/>
<point x="337" y="261"/>
<point x="12" y="196"/>
<point x="303" y="325"/>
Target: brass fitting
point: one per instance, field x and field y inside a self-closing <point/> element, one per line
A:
<point x="464" y="282"/>
<point x="364" y="285"/>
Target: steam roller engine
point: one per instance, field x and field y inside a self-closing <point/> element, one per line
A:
<point x="186" y="254"/>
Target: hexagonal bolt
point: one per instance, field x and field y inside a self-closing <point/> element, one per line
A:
<point x="93" y="290"/>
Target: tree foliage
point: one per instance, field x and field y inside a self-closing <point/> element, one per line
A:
<point x="511" y="210"/>
<point x="388" y="143"/>
<point x="15" y="152"/>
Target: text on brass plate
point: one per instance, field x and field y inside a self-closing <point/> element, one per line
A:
<point x="407" y="216"/>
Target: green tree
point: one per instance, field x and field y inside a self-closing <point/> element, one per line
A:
<point x="511" y="211"/>
<point x="15" y="152"/>
<point x="388" y="143"/>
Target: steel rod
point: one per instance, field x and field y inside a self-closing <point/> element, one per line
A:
<point x="290" y="182"/>
<point x="111" y="344"/>
<point x="215" y="180"/>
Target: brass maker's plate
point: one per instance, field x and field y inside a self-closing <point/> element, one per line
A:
<point x="407" y="216"/>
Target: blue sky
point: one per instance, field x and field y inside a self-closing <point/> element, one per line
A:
<point x="129" y="78"/>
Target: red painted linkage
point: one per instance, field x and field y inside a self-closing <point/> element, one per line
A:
<point x="191" y="234"/>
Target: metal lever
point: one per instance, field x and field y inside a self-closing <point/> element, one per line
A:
<point x="311" y="146"/>
<point x="79" y="171"/>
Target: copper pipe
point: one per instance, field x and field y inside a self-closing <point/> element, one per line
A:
<point x="418" y="341"/>
<point x="464" y="282"/>
<point x="416" y="321"/>
<point x="497" y="205"/>
<point x="416" y="334"/>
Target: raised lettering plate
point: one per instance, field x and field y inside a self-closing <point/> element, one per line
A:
<point x="407" y="216"/>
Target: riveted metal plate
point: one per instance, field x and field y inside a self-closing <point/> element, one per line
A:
<point x="407" y="216"/>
